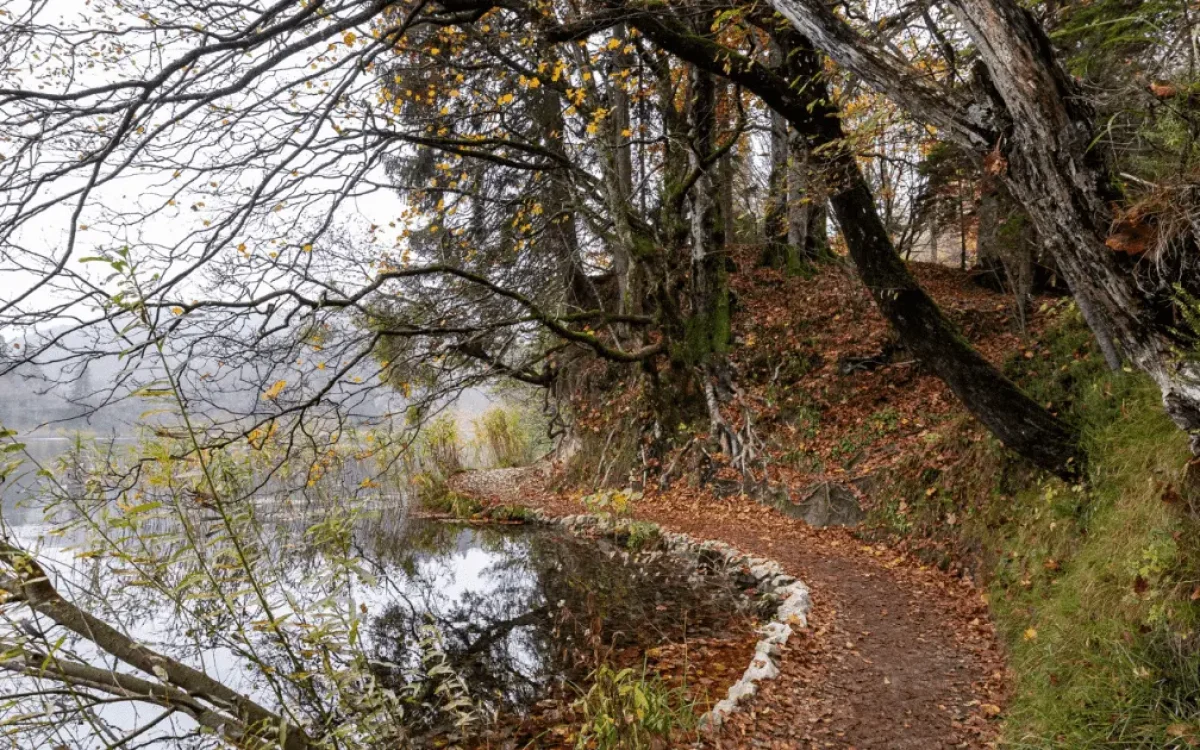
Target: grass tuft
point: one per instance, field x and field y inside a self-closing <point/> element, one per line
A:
<point x="629" y="710"/>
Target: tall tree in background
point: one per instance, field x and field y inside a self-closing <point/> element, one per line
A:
<point x="796" y="233"/>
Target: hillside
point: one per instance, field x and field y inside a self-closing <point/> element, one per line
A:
<point x="1031" y="612"/>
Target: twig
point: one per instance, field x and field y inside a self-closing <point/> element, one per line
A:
<point x="603" y="453"/>
<point x="665" y="479"/>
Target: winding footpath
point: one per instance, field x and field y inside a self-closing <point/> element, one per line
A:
<point x="896" y="655"/>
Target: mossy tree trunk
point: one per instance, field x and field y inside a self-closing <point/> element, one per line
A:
<point x="708" y="323"/>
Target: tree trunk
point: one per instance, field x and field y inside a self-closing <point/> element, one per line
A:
<point x="1053" y="171"/>
<point x="989" y="263"/>
<point x="29" y="583"/>
<point x="808" y="239"/>
<point x="1018" y="421"/>
<point x="728" y="219"/>
<point x="709" y="325"/>
<point x="1028" y="113"/>
<point x="800" y="203"/>
<point x="804" y="195"/>
<point x="618" y="185"/>
<point x="777" y="221"/>
<point x="1014" y="418"/>
<point x="562" y="233"/>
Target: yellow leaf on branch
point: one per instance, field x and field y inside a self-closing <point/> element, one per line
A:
<point x="273" y="392"/>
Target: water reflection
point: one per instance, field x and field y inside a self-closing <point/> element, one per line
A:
<point x="22" y="490"/>
<point x="522" y="610"/>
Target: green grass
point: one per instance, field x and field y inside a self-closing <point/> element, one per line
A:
<point x="510" y="435"/>
<point x="638" y="535"/>
<point x="508" y="513"/>
<point x="466" y="507"/>
<point x="1093" y="594"/>
<point x="440" y="499"/>
<point x="632" y="710"/>
<point x="1090" y="587"/>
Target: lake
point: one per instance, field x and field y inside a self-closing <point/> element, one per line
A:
<point x="506" y="620"/>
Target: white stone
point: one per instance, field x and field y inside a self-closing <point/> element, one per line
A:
<point x="764" y="572"/>
<point x="794" y="610"/>
<point x="716" y="717"/>
<point x="775" y="632"/>
<point x="761" y="668"/>
<point x="741" y="690"/>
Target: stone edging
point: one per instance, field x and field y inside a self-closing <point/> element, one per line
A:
<point x="770" y="579"/>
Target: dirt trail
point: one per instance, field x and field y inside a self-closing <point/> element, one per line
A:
<point x="896" y="656"/>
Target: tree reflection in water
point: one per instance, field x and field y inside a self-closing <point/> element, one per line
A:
<point x="519" y="612"/>
<point x="522" y="610"/>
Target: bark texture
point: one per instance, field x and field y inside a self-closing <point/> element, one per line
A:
<point x="708" y="327"/>
<point x="1052" y="171"/>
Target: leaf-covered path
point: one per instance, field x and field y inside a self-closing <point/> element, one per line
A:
<point x="896" y="655"/>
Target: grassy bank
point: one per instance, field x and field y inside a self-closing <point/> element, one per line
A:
<point x="1093" y="588"/>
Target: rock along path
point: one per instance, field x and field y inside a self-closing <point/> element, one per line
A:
<point x="896" y="655"/>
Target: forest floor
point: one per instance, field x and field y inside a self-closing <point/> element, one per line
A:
<point x="899" y="653"/>
<point x="896" y="655"/>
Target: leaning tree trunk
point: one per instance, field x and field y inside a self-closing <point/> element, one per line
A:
<point x="1053" y="171"/>
<point x="1018" y="421"/>
<point x="1032" y="119"/>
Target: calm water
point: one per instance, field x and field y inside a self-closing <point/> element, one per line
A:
<point x="521" y="613"/>
<point x="18" y="501"/>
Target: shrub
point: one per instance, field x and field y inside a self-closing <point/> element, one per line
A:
<point x="440" y="499"/>
<point x="642" y="535"/>
<point x="509" y="513"/>
<point x="436" y="458"/>
<point x="439" y="448"/>
<point x="627" y="710"/>
<point x="611" y="503"/>
<point x="507" y="436"/>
